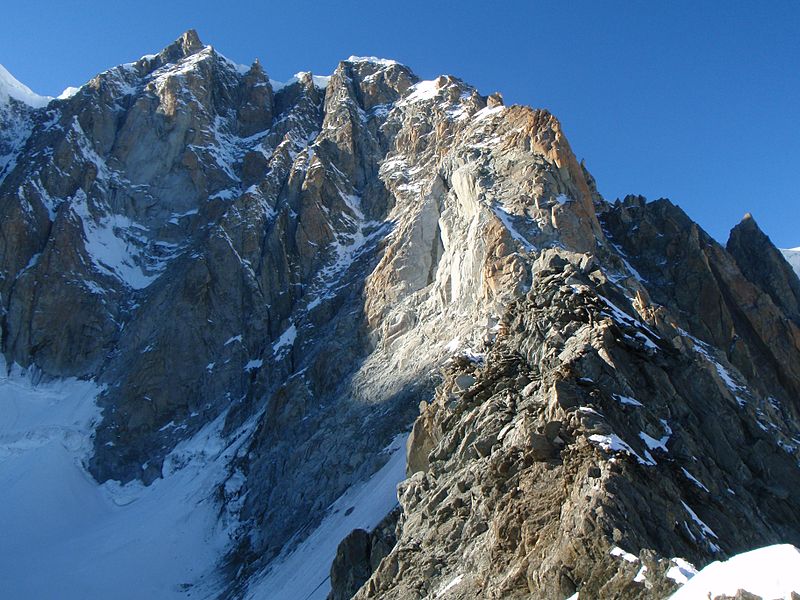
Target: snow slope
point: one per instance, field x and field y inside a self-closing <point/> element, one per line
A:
<point x="771" y="572"/>
<point x="303" y="574"/>
<point x="64" y="536"/>
<point x="11" y="88"/>
<point x="792" y="256"/>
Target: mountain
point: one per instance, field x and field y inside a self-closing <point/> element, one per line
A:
<point x="255" y="307"/>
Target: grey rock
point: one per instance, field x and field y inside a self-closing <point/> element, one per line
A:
<point x="552" y="523"/>
<point x="764" y="265"/>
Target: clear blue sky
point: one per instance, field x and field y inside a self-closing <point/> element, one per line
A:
<point x="695" y="101"/>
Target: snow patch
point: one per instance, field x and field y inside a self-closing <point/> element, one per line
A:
<point x="384" y="62"/>
<point x="488" y="112"/>
<point x="621" y="316"/>
<point x="681" y="571"/>
<point x="694" y="480"/>
<point x="253" y="364"/>
<point x="770" y="572"/>
<point x="507" y="219"/>
<point x="424" y="90"/>
<point x="108" y="242"/>
<point x="627" y="400"/>
<point x="613" y="443"/>
<point x="641" y="576"/>
<point x="626" y="556"/>
<point x="453" y="346"/>
<point x="236" y="338"/>
<point x="285" y="341"/>
<point x="320" y="81"/>
<point x="705" y="529"/>
<point x="704" y="350"/>
<point x="450" y="585"/>
<point x="654" y="444"/>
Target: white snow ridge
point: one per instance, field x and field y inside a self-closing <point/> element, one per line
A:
<point x="772" y="572"/>
<point x="11" y="88"/>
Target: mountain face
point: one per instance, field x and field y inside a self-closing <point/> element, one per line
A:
<point x="282" y="278"/>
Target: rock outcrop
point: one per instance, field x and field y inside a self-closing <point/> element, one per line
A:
<point x="764" y="265"/>
<point x="359" y="554"/>
<point x="580" y="459"/>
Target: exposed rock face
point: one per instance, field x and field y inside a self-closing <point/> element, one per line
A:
<point x="296" y="263"/>
<point x="751" y="249"/>
<point x="579" y="435"/>
<point x="687" y="271"/>
<point x="358" y="555"/>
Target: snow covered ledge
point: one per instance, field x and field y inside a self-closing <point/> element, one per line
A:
<point x="771" y="572"/>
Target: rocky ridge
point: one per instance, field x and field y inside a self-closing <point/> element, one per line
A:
<point x="298" y="262"/>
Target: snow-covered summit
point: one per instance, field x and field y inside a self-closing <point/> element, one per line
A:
<point x="321" y="81"/>
<point x="68" y="92"/>
<point x="11" y="88"/>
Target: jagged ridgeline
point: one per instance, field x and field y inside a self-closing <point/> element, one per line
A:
<point x="265" y="284"/>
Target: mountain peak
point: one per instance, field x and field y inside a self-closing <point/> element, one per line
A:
<point x="10" y="87"/>
<point x="187" y="44"/>
<point x="764" y="264"/>
<point x="747" y="224"/>
<point x="190" y="41"/>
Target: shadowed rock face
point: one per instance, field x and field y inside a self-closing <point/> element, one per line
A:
<point x="298" y="263"/>
<point x="712" y="298"/>
<point x="765" y="266"/>
<point x="358" y="555"/>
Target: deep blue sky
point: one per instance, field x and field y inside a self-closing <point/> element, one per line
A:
<point x="695" y="101"/>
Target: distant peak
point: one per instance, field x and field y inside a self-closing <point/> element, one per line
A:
<point x="305" y="78"/>
<point x="11" y="88"/>
<point x="190" y="41"/>
<point x="495" y="100"/>
<point x="68" y="92"/>
<point x="747" y="223"/>
<point x="187" y="44"/>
